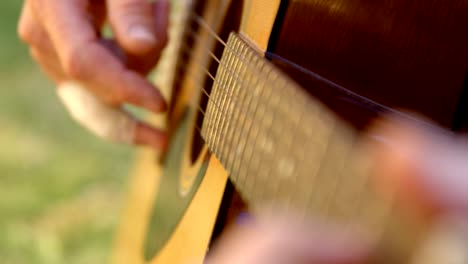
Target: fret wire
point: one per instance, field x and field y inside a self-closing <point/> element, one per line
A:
<point x="215" y="80"/>
<point x="221" y="92"/>
<point x="240" y="56"/>
<point x="223" y="65"/>
<point x="239" y="134"/>
<point x="213" y="34"/>
<point x="268" y="131"/>
<point x="262" y="101"/>
<point x="196" y="83"/>
<point x="288" y="144"/>
<point x="221" y="82"/>
<point x="267" y="100"/>
<point x="235" y="118"/>
<point x="231" y="73"/>
<point x="198" y="19"/>
<point x="223" y="99"/>
<point x="235" y="134"/>
<point x="235" y="110"/>
<point x="250" y="66"/>
<point x="200" y="109"/>
<point x="229" y="93"/>
<point x="205" y="92"/>
<point x="222" y="71"/>
<point x="273" y="118"/>
<point x="198" y="106"/>
<point x="229" y="105"/>
<point x="209" y="124"/>
<point x="219" y="64"/>
<point x="287" y="141"/>
<point x="219" y="88"/>
<point x="208" y="74"/>
<point x="249" y="160"/>
<point x="241" y="98"/>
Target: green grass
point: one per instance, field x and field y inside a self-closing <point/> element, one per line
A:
<point x="60" y="188"/>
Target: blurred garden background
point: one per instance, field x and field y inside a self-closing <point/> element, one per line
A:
<point x="61" y="190"/>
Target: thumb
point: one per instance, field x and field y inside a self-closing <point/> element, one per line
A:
<point x="133" y="23"/>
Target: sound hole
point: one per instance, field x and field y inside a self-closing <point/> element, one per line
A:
<point x="198" y="142"/>
<point x="232" y="23"/>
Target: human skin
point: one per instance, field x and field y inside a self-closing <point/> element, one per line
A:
<point x="425" y="166"/>
<point x="64" y="38"/>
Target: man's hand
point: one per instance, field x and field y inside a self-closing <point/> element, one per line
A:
<point x="428" y="168"/>
<point x="65" y="39"/>
<point x="278" y="240"/>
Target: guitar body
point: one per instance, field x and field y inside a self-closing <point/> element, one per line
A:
<point x="359" y="58"/>
<point x="191" y="238"/>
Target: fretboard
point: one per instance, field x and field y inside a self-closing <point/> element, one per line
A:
<point x="284" y="150"/>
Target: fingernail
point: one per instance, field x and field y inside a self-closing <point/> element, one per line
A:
<point x="143" y="34"/>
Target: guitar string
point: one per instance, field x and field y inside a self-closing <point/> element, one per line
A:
<point x="212" y="33"/>
<point x="197" y="18"/>
<point x="223" y="89"/>
<point x="187" y="50"/>
<point x="193" y="33"/>
<point x="210" y="75"/>
<point x="195" y="79"/>
<point x="217" y="60"/>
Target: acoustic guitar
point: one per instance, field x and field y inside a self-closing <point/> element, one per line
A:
<point x="268" y="99"/>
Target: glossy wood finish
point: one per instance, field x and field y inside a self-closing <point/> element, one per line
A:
<point x="410" y="54"/>
<point x="190" y="240"/>
<point x="258" y="20"/>
<point x="402" y="53"/>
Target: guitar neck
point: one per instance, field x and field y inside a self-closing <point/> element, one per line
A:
<point x="285" y="150"/>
